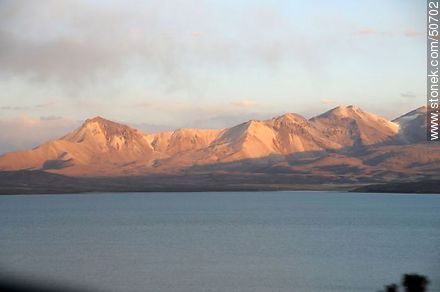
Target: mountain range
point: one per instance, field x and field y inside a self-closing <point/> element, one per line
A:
<point x="345" y="143"/>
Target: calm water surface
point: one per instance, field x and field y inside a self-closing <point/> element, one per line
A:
<point x="244" y="241"/>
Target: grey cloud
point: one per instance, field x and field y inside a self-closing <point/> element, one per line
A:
<point x="43" y="105"/>
<point x="50" y="118"/>
<point x="408" y="94"/>
<point x="19" y="108"/>
<point x="15" y="108"/>
<point x="75" y="46"/>
<point x="246" y="103"/>
<point x="91" y="44"/>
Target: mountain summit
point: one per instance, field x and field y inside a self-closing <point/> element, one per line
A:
<point x="104" y="148"/>
<point x="351" y="126"/>
<point x="97" y="147"/>
<point x="103" y="135"/>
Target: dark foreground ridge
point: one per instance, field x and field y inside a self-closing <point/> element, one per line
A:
<point x="20" y="284"/>
<point x="422" y="187"/>
<point x="410" y="282"/>
<point x="40" y="182"/>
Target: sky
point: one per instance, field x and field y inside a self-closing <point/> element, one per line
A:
<point x="160" y="65"/>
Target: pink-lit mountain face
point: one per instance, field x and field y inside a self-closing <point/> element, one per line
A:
<point x="343" y="141"/>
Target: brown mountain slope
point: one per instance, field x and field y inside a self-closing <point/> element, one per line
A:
<point x="351" y="126"/>
<point x="182" y="140"/>
<point x="98" y="147"/>
<point x="283" y="135"/>
<point x="326" y="144"/>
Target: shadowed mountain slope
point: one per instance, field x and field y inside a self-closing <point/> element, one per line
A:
<point x="413" y="126"/>
<point x="342" y="141"/>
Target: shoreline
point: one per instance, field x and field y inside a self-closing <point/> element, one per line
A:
<point x="40" y="182"/>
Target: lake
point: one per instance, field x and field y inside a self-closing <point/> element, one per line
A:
<point x="221" y="241"/>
